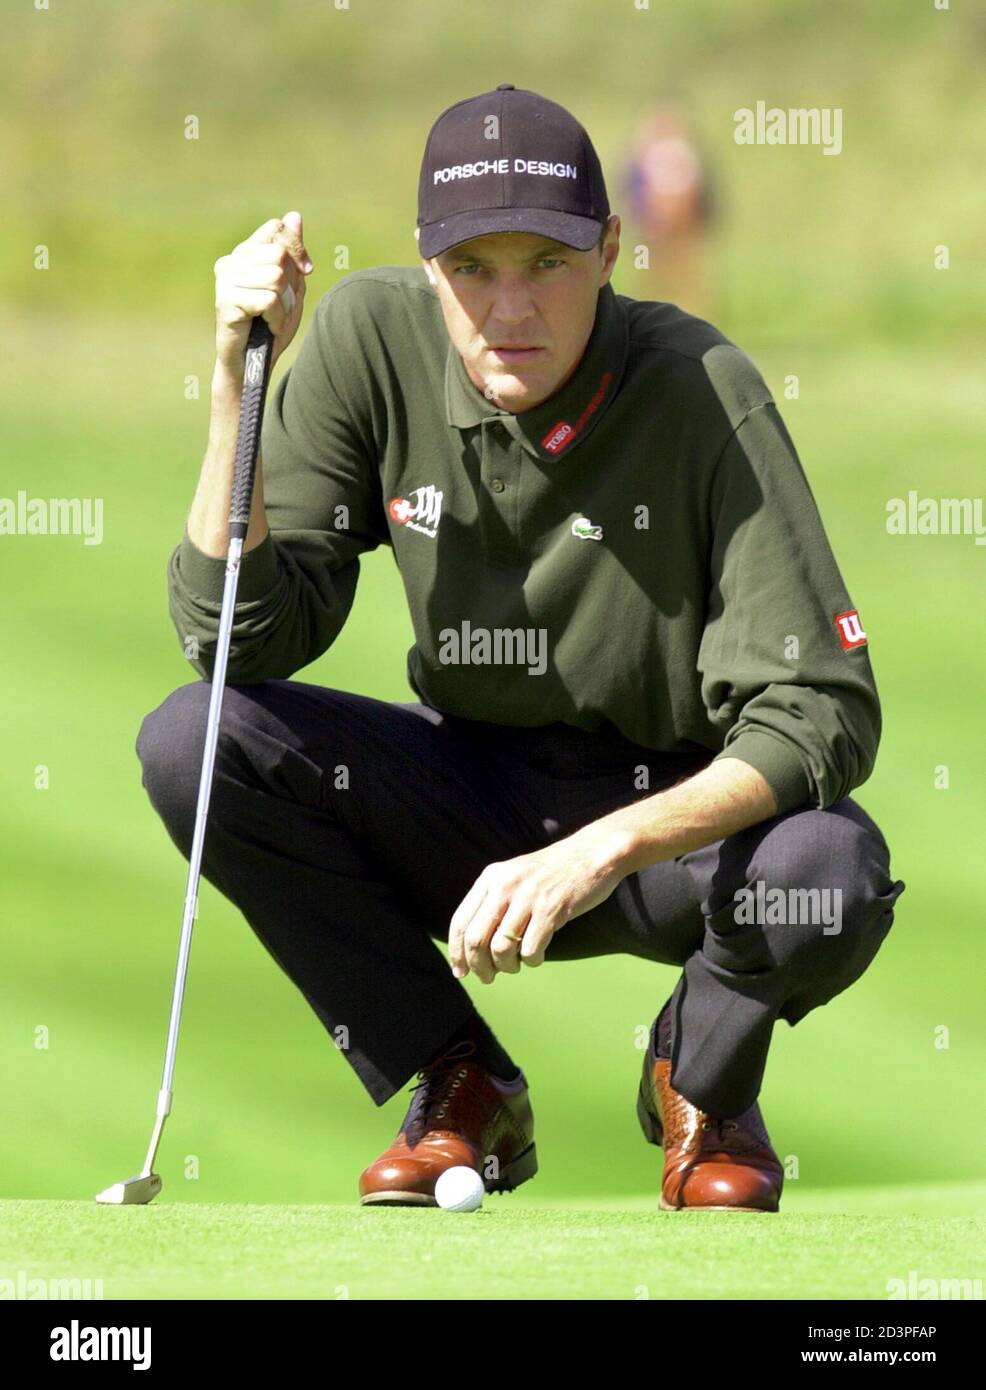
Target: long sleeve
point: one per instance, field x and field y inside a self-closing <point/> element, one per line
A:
<point x="791" y="699"/>
<point x="323" y="505"/>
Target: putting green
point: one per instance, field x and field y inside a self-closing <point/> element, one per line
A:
<point x="842" y="1243"/>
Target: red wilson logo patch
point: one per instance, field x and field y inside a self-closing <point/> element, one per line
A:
<point x="850" y="632"/>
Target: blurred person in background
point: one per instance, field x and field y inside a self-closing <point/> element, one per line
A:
<point x="668" y="187"/>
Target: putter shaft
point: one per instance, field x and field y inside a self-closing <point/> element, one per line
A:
<point x="145" y="1185"/>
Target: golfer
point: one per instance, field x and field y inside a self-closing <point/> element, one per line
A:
<point x="643" y="694"/>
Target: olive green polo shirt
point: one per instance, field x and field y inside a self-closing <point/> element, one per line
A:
<point x="642" y="549"/>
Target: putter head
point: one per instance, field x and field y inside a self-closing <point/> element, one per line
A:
<point x="135" y="1191"/>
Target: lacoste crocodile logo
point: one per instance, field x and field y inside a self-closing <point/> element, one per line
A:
<point x="584" y="528"/>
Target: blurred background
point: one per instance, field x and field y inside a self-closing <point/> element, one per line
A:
<point x="823" y="268"/>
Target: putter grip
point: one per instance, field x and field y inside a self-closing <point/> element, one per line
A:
<point x="255" y="378"/>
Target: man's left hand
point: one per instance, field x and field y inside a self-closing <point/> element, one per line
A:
<point x="514" y="908"/>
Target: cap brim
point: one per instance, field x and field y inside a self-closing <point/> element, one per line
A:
<point x="581" y="233"/>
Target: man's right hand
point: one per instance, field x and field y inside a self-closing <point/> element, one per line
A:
<point x="265" y="276"/>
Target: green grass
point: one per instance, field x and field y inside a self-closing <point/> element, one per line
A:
<point x="93" y="887"/>
<point x="838" y="1245"/>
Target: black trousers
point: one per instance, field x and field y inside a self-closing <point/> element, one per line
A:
<point x="348" y="829"/>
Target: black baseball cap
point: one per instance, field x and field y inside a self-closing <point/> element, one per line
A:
<point x="509" y="161"/>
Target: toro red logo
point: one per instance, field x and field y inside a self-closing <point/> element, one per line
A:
<point x="850" y="632"/>
<point x="562" y="434"/>
<point x="557" y="437"/>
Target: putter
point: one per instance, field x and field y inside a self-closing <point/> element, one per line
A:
<point x="144" y="1186"/>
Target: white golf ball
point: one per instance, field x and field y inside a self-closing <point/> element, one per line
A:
<point x="459" y="1189"/>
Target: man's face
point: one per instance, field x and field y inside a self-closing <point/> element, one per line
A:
<point x="519" y="309"/>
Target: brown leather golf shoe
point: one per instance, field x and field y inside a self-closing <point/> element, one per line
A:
<point x="709" y="1163"/>
<point x="462" y="1115"/>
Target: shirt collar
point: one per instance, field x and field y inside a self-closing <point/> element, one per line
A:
<point x="558" y="425"/>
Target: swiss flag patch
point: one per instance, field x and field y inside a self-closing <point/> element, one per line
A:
<point x="851" y="634"/>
